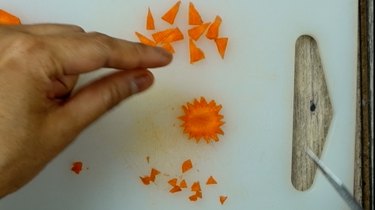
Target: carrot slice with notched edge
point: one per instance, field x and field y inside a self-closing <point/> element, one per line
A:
<point x="8" y="19"/>
<point x="221" y="44"/>
<point x="186" y="165"/>
<point x="144" y="40"/>
<point x="194" y="16"/>
<point x="222" y="199"/>
<point x="150" y="24"/>
<point x="171" y="14"/>
<point x="196" y="54"/>
<point x="213" y="30"/>
<point x="196" y="32"/>
<point x="211" y="180"/>
<point x="168" y="35"/>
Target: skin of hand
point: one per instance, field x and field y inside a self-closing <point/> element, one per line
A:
<point x="39" y="67"/>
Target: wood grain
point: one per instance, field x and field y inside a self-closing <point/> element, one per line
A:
<point x="312" y="111"/>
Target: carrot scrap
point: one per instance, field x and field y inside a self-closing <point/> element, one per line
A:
<point x="193" y="197"/>
<point x="202" y="120"/>
<point x="194" y="16"/>
<point x="153" y="174"/>
<point x="168" y="35"/>
<point x="221" y="44"/>
<point x="211" y="181"/>
<point x="145" y="180"/>
<point x="77" y="167"/>
<point x="186" y="165"/>
<point x="222" y="199"/>
<point x="199" y="194"/>
<point x="213" y="30"/>
<point x="183" y="184"/>
<point x="196" y="32"/>
<point x="175" y="189"/>
<point x="196" y="186"/>
<point x="173" y="182"/>
<point x="196" y="54"/>
<point x="171" y="14"/>
<point x="168" y="46"/>
<point x="150" y="24"/>
<point x="143" y="39"/>
<point x="8" y="19"/>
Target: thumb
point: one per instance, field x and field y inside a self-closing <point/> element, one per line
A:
<point x="92" y="101"/>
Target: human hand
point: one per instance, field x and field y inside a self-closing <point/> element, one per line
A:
<point x="39" y="67"/>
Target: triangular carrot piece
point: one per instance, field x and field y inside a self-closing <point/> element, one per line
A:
<point x="150" y="24"/>
<point x="196" y="186"/>
<point x="193" y="197"/>
<point x="199" y="194"/>
<point x="143" y="39"/>
<point x="175" y="189"/>
<point x="168" y="46"/>
<point x="170" y="15"/>
<point x="145" y="180"/>
<point x="186" y="165"/>
<point x="173" y="182"/>
<point x="222" y="199"/>
<point x="196" y="32"/>
<point x="168" y="35"/>
<point x="153" y="174"/>
<point x="183" y="184"/>
<point x="211" y="180"/>
<point x="196" y="54"/>
<point x="8" y="19"/>
<point x="221" y="44"/>
<point x="213" y="30"/>
<point x="194" y="16"/>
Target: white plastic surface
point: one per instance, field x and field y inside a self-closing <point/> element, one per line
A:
<point x="254" y="83"/>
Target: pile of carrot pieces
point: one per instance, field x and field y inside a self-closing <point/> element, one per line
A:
<point x="165" y="38"/>
<point x="178" y="185"/>
<point x="7" y="18"/>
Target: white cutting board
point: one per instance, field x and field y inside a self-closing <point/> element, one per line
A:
<point x="254" y="84"/>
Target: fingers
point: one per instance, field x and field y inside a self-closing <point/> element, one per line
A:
<point x="94" y="100"/>
<point x="86" y="52"/>
<point x="48" y="29"/>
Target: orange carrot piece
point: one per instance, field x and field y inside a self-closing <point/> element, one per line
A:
<point x="8" y="19"/>
<point x="222" y="199"/>
<point x="196" y="186"/>
<point x="170" y="15"/>
<point x="213" y="30"/>
<point x="199" y="194"/>
<point x="194" y="16"/>
<point x="150" y="24"/>
<point x="186" y="165"/>
<point x="153" y="174"/>
<point x="183" y="184"/>
<point x="173" y="182"/>
<point x="77" y="167"/>
<point x="221" y="44"/>
<point x="211" y="180"/>
<point x="193" y="197"/>
<point x="196" y="32"/>
<point x="168" y="46"/>
<point x="144" y="40"/>
<point x="175" y="189"/>
<point x="145" y="180"/>
<point x="196" y="54"/>
<point x="168" y="35"/>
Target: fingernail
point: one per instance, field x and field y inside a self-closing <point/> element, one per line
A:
<point x="141" y="82"/>
<point x="164" y="52"/>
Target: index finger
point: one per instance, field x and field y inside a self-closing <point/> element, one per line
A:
<point x="84" y="52"/>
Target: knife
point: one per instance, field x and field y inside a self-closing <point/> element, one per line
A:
<point x="335" y="182"/>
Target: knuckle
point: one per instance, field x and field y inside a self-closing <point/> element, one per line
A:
<point x="112" y="96"/>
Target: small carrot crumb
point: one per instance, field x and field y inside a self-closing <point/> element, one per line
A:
<point x="171" y="14"/>
<point x="183" y="184"/>
<point x="144" y="40"/>
<point x="150" y="24"/>
<point x="8" y="19"/>
<point x="175" y="189"/>
<point x="77" y="167"/>
<point x="173" y="182"/>
<point x="221" y="44"/>
<point x="196" y="54"/>
<point x="145" y="180"/>
<point x="186" y="165"/>
<point x="196" y="186"/>
<point x="148" y="159"/>
<point x="213" y="30"/>
<point x="222" y="199"/>
<point x="194" y="16"/>
<point x="196" y="32"/>
<point x="211" y="181"/>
